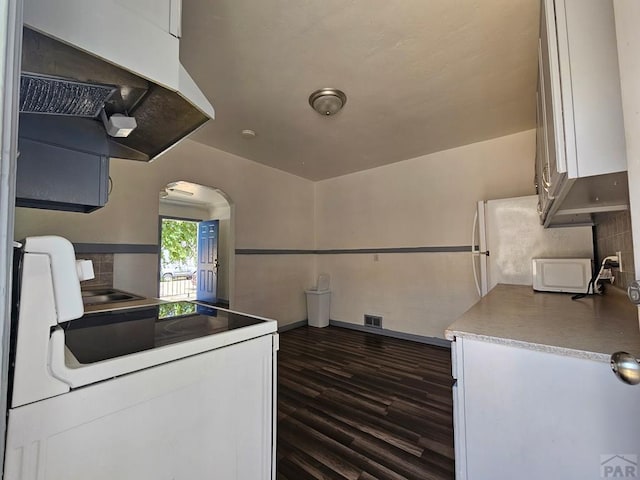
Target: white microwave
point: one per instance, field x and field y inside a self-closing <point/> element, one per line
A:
<point x="570" y="275"/>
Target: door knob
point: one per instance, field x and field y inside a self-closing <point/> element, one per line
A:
<point x="626" y="367"/>
<point x="633" y="292"/>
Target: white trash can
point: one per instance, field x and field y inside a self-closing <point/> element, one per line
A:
<point x="319" y="302"/>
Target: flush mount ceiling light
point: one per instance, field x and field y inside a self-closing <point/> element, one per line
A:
<point x="327" y="101"/>
<point x="248" y="134"/>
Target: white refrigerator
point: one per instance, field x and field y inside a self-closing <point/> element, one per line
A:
<point x="507" y="235"/>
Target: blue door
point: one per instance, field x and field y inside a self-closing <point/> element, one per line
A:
<point x="207" y="276"/>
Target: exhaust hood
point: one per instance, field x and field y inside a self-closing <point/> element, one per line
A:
<point x="70" y="68"/>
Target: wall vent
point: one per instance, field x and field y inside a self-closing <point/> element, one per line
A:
<point x="372" y="321"/>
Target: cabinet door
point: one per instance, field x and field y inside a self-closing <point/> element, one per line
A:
<point x="541" y="163"/>
<point x="591" y="98"/>
<point x="552" y="99"/>
<point x="542" y="155"/>
<point x="534" y="415"/>
<point x="208" y="416"/>
<point x="458" y="410"/>
<point x="139" y="40"/>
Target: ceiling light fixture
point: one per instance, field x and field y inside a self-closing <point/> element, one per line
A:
<point x="327" y="101"/>
<point x="248" y="134"/>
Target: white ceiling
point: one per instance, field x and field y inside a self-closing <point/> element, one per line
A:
<point x="420" y="76"/>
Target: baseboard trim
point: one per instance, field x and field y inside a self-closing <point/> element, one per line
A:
<point x="438" y="342"/>
<point x="291" y="326"/>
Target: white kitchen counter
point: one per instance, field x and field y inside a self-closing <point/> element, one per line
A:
<point x="593" y="327"/>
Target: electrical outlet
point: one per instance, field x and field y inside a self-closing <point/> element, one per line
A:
<point x="620" y="267"/>
<point x="606" y="274"/>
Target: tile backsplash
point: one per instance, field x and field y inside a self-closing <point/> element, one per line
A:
<point x="102" y="267"/>
<point x="613" y="234"/>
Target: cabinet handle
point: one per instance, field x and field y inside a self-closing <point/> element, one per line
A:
<point x="546" y="181"/>
<point x="626" y="367"/>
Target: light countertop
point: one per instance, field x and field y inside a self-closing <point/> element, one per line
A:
<point x="593" y="327"/>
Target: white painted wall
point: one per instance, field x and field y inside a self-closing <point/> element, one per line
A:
<point x="271" y="210"/>
<point x="426" y="201"/>
<point x="136" y="273"/>
<point x="271" y="207"/>
<point x="274" y="285"/>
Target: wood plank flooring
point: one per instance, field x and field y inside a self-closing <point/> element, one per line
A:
<point x="353" y="405"/>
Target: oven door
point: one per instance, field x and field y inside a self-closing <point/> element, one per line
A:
<point x="205" y="416"/>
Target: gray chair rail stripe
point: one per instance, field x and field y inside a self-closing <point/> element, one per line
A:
<point x="154" y="249"/>
<point x="343" y="251"/>
<point x="115" y="248"/>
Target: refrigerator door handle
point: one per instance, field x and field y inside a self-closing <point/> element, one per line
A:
<point x="473" y="235"/>
<point x="475" y="253"/>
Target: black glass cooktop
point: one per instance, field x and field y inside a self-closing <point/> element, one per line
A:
<point x="104" y="335"/>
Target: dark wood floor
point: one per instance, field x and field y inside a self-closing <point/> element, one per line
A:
<point x="360" y="406"/>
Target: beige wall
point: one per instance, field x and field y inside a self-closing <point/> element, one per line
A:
<point x="271" y="207"/>
<point x="271" y="210"/>
<point x="426" y="201"/>
<point x="274" y="285"/>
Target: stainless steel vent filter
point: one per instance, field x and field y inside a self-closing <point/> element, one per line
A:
<point x="56" y="96"/>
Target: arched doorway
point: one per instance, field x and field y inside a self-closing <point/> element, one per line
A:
<point x="182" y="207"/>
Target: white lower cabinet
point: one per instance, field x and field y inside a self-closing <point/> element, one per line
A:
<point x="209" y="416"/>
<point x="531" y="415"/>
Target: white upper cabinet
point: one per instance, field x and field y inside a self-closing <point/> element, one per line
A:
<point x="589" y="65"/>
<point x="104" y="42"/>
<point x="582" y="167"/>
<point x="132" y="34"/>
<point x="551" y="108"/>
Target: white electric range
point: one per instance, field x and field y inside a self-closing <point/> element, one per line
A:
<point x="170" y="391"/>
